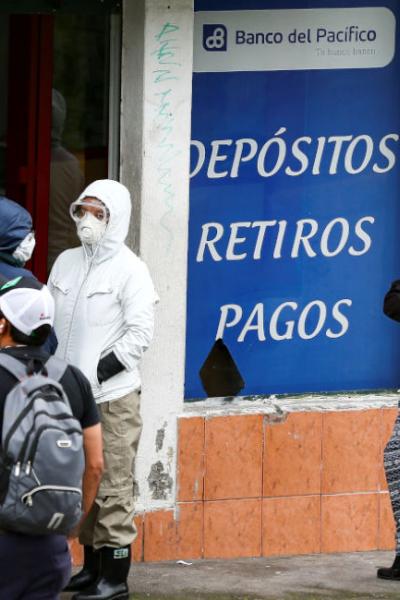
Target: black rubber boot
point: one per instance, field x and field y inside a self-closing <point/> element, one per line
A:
<point x="88" y="574"/>
<point x="392" y="572"/>
<point x="112" y="582"/>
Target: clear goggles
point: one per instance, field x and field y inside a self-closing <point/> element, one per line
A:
<point x="79" y="209"/>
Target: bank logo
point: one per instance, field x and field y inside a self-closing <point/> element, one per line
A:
<point x="215" y="38"/>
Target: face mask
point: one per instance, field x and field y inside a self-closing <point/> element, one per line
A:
<point x="24" y="251"/>
<point x="90" y="230"/>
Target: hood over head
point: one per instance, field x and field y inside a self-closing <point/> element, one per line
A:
<point x="15" y="224"/>
<point x="117" y="199"/>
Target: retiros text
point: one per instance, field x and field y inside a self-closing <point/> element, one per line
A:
<point x="256" y="240"/>
<point x="262" y="239"/>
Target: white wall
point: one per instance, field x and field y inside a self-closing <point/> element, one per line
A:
<point x="155" y="137"/>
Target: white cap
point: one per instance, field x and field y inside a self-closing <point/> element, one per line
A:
<point x="27" y="308"/>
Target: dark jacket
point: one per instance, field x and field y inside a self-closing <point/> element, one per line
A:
<point x="15" y="225"/>
<point x="391" y="303"/>
<point x="9" y="268"/>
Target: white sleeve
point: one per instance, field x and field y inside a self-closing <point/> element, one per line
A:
<point x="138" y="299"/>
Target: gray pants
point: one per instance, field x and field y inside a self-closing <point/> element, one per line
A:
<point x="392" y="472"/>
<point x="110" y="521"/>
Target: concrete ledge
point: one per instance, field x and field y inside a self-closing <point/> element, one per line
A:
<point x="279" y="405"/>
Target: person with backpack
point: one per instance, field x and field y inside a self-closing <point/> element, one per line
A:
<point x="50" y="448"/>
<point x="17" y="243"/>
<point x="105" y="300"/>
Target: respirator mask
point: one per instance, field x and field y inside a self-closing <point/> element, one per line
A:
<point x="91" y="220"/>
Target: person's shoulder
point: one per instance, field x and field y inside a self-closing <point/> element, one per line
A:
<point x="11" y="271"/>
<point x="76" y="373"/>
<point x="135" y="276"/>
<point x="69" y="253"/>
<point x="67" y="257"/>
<point x="127" y="253"/>
<point x="132" y="261"/>
<point x="135" y="270"/>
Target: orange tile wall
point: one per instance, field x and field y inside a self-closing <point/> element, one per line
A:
<point x="249" y="487"/>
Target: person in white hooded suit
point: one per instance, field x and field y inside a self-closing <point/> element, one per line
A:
<point x="104" y="319"/>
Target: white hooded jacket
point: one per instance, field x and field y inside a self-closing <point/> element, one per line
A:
<point x="105" y="300"/>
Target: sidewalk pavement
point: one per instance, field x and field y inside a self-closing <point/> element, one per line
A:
<point x="311" y="577"/>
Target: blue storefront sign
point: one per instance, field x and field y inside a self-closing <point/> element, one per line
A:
<point x="295" y="197"/>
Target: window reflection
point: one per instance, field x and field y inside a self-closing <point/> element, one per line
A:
<point x="79" y="137"/>
<point x="66" y="183"/>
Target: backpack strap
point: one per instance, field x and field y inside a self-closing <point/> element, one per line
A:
<point x="56" y="368"/>
<point x="13" y="366"/>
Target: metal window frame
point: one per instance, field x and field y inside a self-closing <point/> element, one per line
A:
<point x="60" y="6"/>
<point x="114" y="98"/>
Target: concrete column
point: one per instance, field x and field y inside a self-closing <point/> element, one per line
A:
<point x="155" y="144"/>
